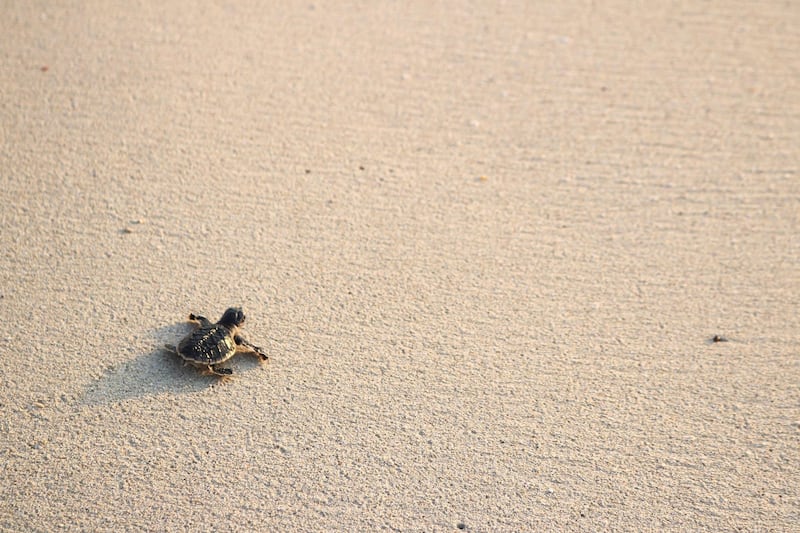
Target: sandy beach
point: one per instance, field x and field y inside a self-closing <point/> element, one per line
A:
<point x="487" y="246"/>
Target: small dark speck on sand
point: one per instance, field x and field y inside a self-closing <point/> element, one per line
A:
<point x="718" y="338"/>
<point x="461" y="525"/>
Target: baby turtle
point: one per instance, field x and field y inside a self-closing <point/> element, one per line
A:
<point x="210" y="345"/>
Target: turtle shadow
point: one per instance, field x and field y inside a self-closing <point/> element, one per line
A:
<point x="157" y="372"/>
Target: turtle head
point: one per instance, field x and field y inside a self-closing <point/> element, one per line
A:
<point x="233" y="317"/>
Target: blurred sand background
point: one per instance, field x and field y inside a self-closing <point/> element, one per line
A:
<point x="485" y="243"/>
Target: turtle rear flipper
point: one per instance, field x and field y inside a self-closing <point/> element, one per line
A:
<point x="219" y="371"/>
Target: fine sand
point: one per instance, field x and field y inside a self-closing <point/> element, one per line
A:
<point x="486" y="244"/>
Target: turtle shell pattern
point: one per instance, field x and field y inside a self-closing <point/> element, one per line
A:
<point x="208" y="345"/>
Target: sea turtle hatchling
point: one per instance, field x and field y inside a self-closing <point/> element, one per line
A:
<point x="210" y="345"/>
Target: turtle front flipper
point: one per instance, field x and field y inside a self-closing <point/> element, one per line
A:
<point x="241" y="341"/>
<point x="203" y="321"/>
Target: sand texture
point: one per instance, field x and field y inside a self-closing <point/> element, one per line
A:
<point x="486" y="245"/>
